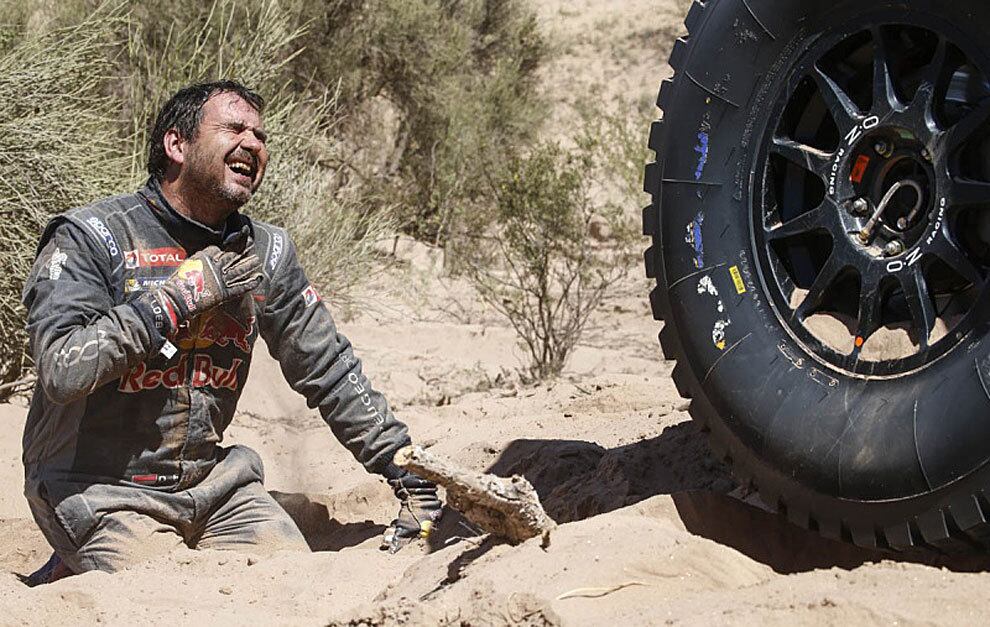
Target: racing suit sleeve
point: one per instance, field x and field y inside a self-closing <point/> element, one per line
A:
<point x="79" y="339"/>
<point x="319" y="363"/>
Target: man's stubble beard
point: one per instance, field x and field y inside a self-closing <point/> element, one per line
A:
<point x="216" y="198"/>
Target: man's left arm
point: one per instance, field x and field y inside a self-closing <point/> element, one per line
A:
<point x="319" y="363"/>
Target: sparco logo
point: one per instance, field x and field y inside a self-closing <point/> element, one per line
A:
<point x="105" y="233"/>
<point x="204" y="374"/>
<point x="154" y="258"/>
<point x="276" y="251"/>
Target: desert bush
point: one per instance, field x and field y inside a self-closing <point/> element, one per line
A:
<point x="621" y="152"/>
<point x="544" y="266"/>
<point x="55" y="150"/>
<point x="458" y="78"/>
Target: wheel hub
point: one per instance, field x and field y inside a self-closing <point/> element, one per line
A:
<point x="882" y="160"/>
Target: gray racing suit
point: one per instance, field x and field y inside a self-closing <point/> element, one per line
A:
<point x="118" y="406"/>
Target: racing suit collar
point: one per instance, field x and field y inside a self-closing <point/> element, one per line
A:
<point x="193" y="235"/>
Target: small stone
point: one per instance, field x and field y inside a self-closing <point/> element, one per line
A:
<point x="226" y="590"/>
<point x="251" y="561"/>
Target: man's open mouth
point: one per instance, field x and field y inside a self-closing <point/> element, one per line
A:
<point x="243" y="169"/>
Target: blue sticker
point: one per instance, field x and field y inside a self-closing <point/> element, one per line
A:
<point x="702" y="150"/>
<point x="694" y="239"/>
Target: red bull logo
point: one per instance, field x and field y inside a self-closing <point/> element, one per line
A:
<point x="191" y="273"/>
<point x="216" y="327"/>
<point x="204" y="374"/>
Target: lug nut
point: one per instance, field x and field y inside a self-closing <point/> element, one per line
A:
<point x="893" y="247"/>
<point x="860" y="206"/>
<point x="882" y="148"/>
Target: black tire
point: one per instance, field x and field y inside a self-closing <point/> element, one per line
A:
<point x="889" y="453"/>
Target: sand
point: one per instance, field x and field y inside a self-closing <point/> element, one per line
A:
<point x="653" y="529"/>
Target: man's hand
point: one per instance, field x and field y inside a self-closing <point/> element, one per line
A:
<point x="419" y="510"/>
<point x="206" y="279"/>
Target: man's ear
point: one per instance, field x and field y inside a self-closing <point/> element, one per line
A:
<point x="175" y="146"/>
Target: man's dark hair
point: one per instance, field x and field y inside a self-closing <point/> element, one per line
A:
<point x="184" y="112"/>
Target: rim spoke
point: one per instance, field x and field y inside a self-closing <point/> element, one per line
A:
<point x="869" y="313"/>
<point x="816" y="219"/>
<point x="919" y="303"/>
<point x="973" y="121"/>
<point x="959" y="261"/>
<point x="965" y="192"/>
<point x="931" y="77"/>
<point x="884" y="95"/>
<point x="844" y="111"/>
<point x="816" y="293"/>
<point x="809" y="158"/>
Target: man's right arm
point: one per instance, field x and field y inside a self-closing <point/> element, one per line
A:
<point x="79" y="339"/>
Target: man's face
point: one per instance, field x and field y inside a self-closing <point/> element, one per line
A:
<point x="226" y="161"/>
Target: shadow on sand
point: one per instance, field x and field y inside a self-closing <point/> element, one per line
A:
<point x="322" y="531"/>
<point x="577" y="480"/>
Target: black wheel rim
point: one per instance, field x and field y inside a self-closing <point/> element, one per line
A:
<point x="873" y="288"/>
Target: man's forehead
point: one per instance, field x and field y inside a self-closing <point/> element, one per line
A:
<point x="228" y="106"/>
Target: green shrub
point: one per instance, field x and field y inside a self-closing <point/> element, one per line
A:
<point x="554" y="251"/>
<point x="456" y="80"/>
<point x="56" y="150"/>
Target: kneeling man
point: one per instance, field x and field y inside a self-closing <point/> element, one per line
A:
<point x="143" y="312"/>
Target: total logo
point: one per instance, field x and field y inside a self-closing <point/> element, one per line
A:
<point x="204" y="375"/>
<point x="154" y="258"/>
<point x="215" y="327"/>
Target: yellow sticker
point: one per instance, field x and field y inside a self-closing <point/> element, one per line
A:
<point x="737" y="279"/>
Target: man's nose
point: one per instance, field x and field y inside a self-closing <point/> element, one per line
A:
<point x="250" y="142"/>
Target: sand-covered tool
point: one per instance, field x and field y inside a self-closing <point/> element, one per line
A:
<point x="505" y="507"/>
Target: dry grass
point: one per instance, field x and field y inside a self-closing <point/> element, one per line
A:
<point x="55" y="149"/>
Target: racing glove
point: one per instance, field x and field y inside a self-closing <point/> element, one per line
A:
<point x="419" y="509"/>
<point x="206" y="279"/>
